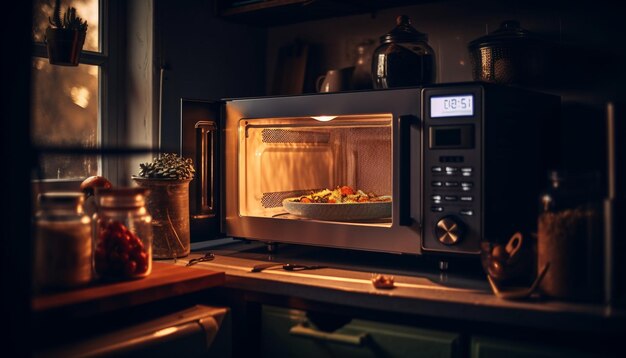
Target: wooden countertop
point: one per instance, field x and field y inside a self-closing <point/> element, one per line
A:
<point x="346" y="280"/>
<point x="165" y="281"/>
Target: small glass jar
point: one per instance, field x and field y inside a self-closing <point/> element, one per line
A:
<point x="62" y="241"/>
<point x="569" y="237"/>
<point x="403" y="58"/>
<point x="122" y="234"/>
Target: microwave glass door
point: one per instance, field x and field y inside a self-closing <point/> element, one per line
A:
<point x="286" y="158"/>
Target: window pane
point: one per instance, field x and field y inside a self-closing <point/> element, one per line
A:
<point x="65" y="113"/>
<point x="86" y="9"/>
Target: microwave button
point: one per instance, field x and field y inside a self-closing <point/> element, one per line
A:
<point x="437" y="169"/>
<point x="467" y="198"/>
<point x="436" y="208"/>
<point x="451" y="198"/>
<point x="466" y="172"/>
<point x="467" y="212"/>
<point x="436" y="198"/>
<point x="451" y="184"/>
<point x="467" y="185"/>
<point x="437" y="183"/>
<point x="451" y="170"/>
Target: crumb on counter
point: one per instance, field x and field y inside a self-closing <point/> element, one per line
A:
<point x="382" y="281"/>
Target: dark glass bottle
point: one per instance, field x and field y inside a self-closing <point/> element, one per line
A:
<point x="403" y="58"/>
<point x="570" y="237"/>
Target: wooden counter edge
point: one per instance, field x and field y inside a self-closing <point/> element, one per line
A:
<point x="165" y="281"/>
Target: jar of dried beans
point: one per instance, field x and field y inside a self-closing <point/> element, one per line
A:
<point x="123" y="234"/>
<point x="570" y="237"/>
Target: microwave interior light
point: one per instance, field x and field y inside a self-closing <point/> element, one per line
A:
<point x="324" y="118"/>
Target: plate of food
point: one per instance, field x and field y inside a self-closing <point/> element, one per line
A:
<point x="341" y="204"/>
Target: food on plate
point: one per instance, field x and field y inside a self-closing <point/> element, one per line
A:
<point x="341" y="195"/>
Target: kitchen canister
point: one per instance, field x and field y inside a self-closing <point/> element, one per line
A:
<point x="62" y="245"/>
<point x="510" y="55"/>
<point x="570" y="237"/>
<point x="122" y="235"/>
<point x="168" y="203"/>
<point x="404" y="57"/>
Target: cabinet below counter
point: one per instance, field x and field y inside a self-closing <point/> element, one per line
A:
<point x="457" y="305"/>
<point x="92" y="317"/>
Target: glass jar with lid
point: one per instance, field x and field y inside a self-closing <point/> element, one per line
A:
<point x="511" y="55"/>
<point x="122" y="235"/>
<point x="570" y="236"/>
<point x="62" y="256"/>
<point x="403" y="58"/>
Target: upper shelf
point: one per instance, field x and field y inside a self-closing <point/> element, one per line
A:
<point x="282" y="12"/>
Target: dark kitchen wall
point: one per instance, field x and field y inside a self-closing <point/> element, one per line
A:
<point x="589" y="70"/>
<point x="204" y="57"/>
<point x="208" y="57"/>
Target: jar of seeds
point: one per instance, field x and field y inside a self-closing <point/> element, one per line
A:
<point x="569" y="237"/>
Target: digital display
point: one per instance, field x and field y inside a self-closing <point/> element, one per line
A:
<point x="447" y="137"/>
<point x="453" y="136"/>
<point x="452" y="106"/>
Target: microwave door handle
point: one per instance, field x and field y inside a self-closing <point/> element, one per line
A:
<point x="205" y="146"/>
<point x="404" y="145"/>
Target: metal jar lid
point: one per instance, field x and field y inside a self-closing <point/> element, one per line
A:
<point x="403" y="32"/>
<point x="61" y="200"/>
<point x="118" y="198"/>
<point x="509" y="31"/>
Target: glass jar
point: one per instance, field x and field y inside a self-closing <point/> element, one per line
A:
<point x="168" y="203"/>
<point x="510" y="55"/>
<point x="569" y="237"/>
<point x="62" y="241"/>
<point x="122" y="235"/>
<point x="403" y="58"/>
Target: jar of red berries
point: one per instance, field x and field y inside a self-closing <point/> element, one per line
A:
<point x="122" y="234"/>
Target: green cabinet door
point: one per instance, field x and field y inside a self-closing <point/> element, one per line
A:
<point x="484" y="347"/>
<point x="288" y="333"/>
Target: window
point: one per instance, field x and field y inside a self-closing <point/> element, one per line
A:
<point x="68" y="102"/>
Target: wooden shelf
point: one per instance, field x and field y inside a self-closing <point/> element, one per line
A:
<point x="165" y="281"/>
<point x="282" y="12"/>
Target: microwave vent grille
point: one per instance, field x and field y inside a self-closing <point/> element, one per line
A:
<point x="294" y="136"/>
<point x="275" y="200"/>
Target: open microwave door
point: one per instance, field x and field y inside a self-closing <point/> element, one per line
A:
<point x="200" y="140"/>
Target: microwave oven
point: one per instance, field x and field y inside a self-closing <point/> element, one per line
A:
<point x="460" y="163"/>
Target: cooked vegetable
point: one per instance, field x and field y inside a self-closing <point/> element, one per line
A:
<point x="341" y="195"/>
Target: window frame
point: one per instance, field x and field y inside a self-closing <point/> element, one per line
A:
<point x="110" y="87"/>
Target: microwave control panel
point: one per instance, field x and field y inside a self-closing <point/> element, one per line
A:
<point x="452" y="169"/>
<point x="486" y="152"/>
